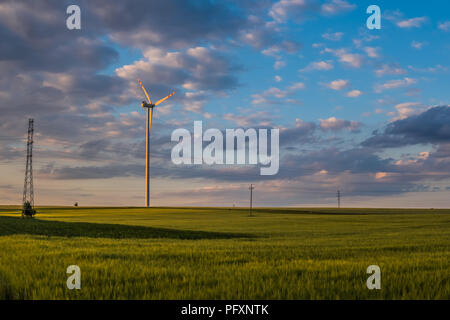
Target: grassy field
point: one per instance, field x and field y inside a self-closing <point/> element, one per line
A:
<point x="221" y="253"/>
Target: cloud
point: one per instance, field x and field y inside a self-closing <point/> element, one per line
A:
<point x="276" y="96"/>
<point x="444" y="26"/>
<point x="197" y="68"/>
<point x="412" y="23"/>
<point x="275" y="51"/>
<point x="301" y="133"/>
<point x="390" y="69"/>
<point x="297" y="86"/>
<point x="354" y="93"/>
<point x="279" y="64"/>
<point x="417" y="45"/>
<point x="334" y="7"/>
<point x="372" y="52"/>
<point x="254" y="119"/>
<point x="394" y="84"/>
<point x="430" y="126"/>
<point x="407" y="109"/>
<point x="334" y="124"/>
<point x="284" y="10"/>
<point x="338" y="84"/>
<point x="167" y="28"/>
<point x="318" y="65"/>
<point x="336" y="36"/>
<point x="278" y="78"/>
<point x="434" y="69"/>
<point x="349" y="59"/>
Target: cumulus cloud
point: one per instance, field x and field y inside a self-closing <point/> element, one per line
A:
<point x="350" y="59"/>
<point x="444" y="26"/>
<point x="338" y="84"/>
<point x="283" y="10"/>
<point x="417" y="44"/>
<point x="390" y="69"/>
<point x="394" y="84"/>
<point x="354" y="93"/>
<point x="334" y="124"/>
<point x="337" y="6"/>
<point x="372" y="52"/>
<point x="130" y="25"/>
<point x="197" y="68"/>
<point x="253" y="119"/>
<point x="430" y="126"/>
<point x="412" y="23"/>
<point x="279" y="64"/>
<point x="318" y="65"/>
<point x="336" y="36"/>
<point x="276" y="95"/>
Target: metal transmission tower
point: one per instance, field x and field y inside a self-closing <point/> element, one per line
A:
<point x="251" y="198"/>
<point x="339" y="198"/>
<point x="28" y="192"/>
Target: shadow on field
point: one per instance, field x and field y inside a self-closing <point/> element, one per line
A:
<point x="11" y="226"/>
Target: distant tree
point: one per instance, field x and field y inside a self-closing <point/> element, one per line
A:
<point x="28" y="210"/>
<point x="76" y="204"/>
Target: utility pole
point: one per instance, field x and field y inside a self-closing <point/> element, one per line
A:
<point x="339" y="198"/>
<point x="28" y="192"/>
<point x="251" y="198"/>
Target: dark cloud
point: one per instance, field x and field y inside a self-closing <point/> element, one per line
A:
<point x="94" y="172"/>
<point x="431" y="126"/>
<point x="171" y="24"/>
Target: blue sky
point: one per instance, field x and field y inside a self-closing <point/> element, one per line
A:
<point x="346" y="99"/>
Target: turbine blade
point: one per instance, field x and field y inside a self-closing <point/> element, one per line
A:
<point x="165" y="98"/>
<point x="145" y="91"/>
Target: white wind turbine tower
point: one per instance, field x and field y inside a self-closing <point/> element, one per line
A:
<point x="149" y="107"/>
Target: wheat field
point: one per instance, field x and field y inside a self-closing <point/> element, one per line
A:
<point x="223" y="253"/>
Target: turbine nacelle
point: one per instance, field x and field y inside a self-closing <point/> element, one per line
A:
<point x="147" y="105"/>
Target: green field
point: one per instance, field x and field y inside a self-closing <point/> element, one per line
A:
<point x="222" y="253"/>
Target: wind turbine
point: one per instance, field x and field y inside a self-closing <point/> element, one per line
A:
<point x="149" y="107"/>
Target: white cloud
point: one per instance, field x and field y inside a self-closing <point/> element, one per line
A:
<point x="389" y="69"/>
<point x="333" y="36"/>
<point x="318" y="65"/>
<point x="350" y="59"/>
<point x="417" y="45"/>
<point x="338" y="84"/>
<point x="393" y="84"/>
<point x="276" y="95"/>
<point x="436" y="68"/>
<point x="404" y="110"/>
<point x="354" y="93"/>
<point x="336" y="6"/>
<point x="278" y="78"/>
<point x="279" y="64"/>
<point x="281" y="10"/>
<point x="371" y="52"/>
<point x="412" y="23"/>
<point x="335" y="124"/>
<point x="444" y="26"/>
<point x="297" y="86"/>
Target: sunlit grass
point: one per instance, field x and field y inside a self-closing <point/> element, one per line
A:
<point x="211" y="253"/>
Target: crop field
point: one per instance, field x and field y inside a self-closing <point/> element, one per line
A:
<point x="223" y="253"/>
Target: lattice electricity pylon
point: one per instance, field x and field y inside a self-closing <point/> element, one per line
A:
<point x="28" y="192"/>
